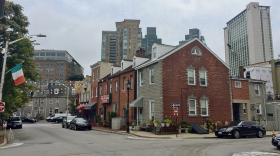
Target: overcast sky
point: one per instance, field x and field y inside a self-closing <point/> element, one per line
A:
<point x="76" y="25"/>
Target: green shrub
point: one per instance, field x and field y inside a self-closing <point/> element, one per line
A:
<point x="174" y="122"/>
<point x="104" y="121"/>
<point x="219" y="124"/>
<point x="41" y="118"/>
<point x="97" y="118"/>
<point x="150" y="121"/>
<point x="155" y="121"/>
<point x="189" y="129"/>
<point x="167" y="121"/>
<point x="184" y="122"/>
<point x="211" y="127"/>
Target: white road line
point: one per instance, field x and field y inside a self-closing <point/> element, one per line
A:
<point x="135" y="138"/>
<point x="254" y="154"/>
<point x="12" y="145"/>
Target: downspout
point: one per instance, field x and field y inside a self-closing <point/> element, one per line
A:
<point x="264" y="105"/>
<point x="230" y="94"/>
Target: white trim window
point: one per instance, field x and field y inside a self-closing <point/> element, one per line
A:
<point x="57" y="101"/>
<point x="110" y="87"/>
<point x="203" y="78"/>
<point x="92" y="92"/>
<point x="154" y="52"/>
<point x="244" y="108"/>
<point x="259" y="109"/>
<point x="97" y="74"/>
<point x="204" y="107"/>
<point x="131" y="80"/>
<point x="237" y="84"/>
<point x="96" y="91"/>
<point x="192" y="107"/>
<point x="93" y="76"/>
<point x="257" y="89"/>
<point x="152" y="109"/>
<point x="124" y="83"/>
<point x="152" y="77"/>
<point x="191" y="77"/>
<point x="50" y="101"/>
<point x="100" y="90"/>
<point x="116" y="86"/>
<point x="73" y="91"/>
<point x="56" y="91"/>
<point x="141" y="79"/>
<point x="115" y="107"/>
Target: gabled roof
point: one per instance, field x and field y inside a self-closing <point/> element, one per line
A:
<point x="128" y="69"/>
<point x="247" y="79"/>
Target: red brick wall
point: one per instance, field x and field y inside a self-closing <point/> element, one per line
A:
<point x="94" y="83"/>
<point x="177" y="90"/>
<point x="240" y="93"/>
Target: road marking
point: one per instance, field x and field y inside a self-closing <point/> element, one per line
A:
<point x="135" y="138"/>
<point x="12" y="145"/>
<point x="254" y="154"/>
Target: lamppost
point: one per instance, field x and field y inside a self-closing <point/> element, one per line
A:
<point x="127" y="106"/>
<point x="5" y="59"/>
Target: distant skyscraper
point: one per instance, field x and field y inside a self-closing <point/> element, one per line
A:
<point x="150" y="39"/>
<point x="193" y="33"/>
<point x="248" y="37"/>
<point x="122" y="43"/>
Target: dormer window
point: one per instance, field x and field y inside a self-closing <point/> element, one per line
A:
<point x="154" y="52"/>
<point x="56" y="91"/>
<point x="134" y="62"/>
<point x="196" y="51"/>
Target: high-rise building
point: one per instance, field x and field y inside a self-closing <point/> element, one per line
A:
<point x="122" y="43"/>
<point x="56" y="65"/>
<point x="193" y="33"/>
<point x="150" y="39"/>
<point x="248" y="37"/>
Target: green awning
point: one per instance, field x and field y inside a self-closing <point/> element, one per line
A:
<point x="137" y="103"/>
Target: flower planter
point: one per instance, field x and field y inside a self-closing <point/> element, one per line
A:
<point x="162" y="124"/>
<point x="155" y="124"/>
<point x="150" y="124"/>
<point x="184" y="125"/>
<point x="167" y="124"/>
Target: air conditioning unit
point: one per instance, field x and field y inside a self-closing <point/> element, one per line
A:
<point x="252" y="107"/>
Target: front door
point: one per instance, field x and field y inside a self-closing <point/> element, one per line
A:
<point x="56" y="111"/>
<point x="235" y="111"/>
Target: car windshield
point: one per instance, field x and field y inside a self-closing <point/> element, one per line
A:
<point x="81" y="120"/>
<point x="234" y="123"/>
<point x="70" y="117"/>
<point x="53" y="115"/>
<point x="15" y="119"/>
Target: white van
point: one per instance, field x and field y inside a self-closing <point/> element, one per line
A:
<point x="50" y="118"/>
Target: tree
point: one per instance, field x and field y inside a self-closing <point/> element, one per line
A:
<point x="16" y="23"/>
<point x="76" y="78"/>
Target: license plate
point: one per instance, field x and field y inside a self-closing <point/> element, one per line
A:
<point x="219" y="132"/>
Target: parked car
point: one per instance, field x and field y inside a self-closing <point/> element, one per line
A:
<point x="28" y="119"/>
<point x="66" y="121"/>
<point x="58" y="119"/>
<point x="237" y="129"/>
<point x="276" y="140"/>
<point x="14" y="122"/>
<point x="55" y="116"/>
<point x="79" y="123"/>
<point x="49" y="117"/>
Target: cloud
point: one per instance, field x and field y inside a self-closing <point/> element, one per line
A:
<point x="76" y="26"/>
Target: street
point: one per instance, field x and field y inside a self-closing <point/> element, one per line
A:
<point x="47" y="139"/>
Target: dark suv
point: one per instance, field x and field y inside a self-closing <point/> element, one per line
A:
<point x="237" y="129"/>
<point x="14" y="122"/>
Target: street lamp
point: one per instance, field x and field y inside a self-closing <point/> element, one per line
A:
<point x="128" y="84"/>
<point x="5" y="59"/>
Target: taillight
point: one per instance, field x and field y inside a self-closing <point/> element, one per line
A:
<point x="263" y="127"/>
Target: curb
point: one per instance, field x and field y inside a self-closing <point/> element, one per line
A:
<point x="130" y="134"/>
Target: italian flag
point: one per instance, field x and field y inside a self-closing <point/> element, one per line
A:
<point x="17" y="74"/>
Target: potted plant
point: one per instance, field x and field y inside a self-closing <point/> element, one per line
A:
<point x="184" y="123"/>
<point x="189" y="128"/>
<point x="174" y="123"/>
<point x="150" y="122"/>
<point x="163" y="123"/>
<point x="104" y="123"/>
<point x="211" y="128"/>
<point x="167" y="122"/>
<point x="179" y="125"/>
<point x="157" y="128"/>
<point x="155" y="122"/>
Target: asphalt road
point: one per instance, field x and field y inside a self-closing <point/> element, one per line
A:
<point x="48" y="139"/>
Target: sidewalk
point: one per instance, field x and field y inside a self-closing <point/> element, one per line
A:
<point x="144" y="134"/>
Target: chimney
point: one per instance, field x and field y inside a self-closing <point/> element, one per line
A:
<point x="241" y="72"/>
<point x="141" y="52"/>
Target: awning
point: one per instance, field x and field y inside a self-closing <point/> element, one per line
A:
<point x="88" y="106"/>
<point x="81" y="107"/>
<point x="137" y="103"/>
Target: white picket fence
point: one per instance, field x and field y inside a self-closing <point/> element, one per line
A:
<point x="271" y="125"/>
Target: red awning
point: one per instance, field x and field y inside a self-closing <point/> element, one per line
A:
<point x="81" y="107"/>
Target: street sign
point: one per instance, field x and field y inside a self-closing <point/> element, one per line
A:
<point x="175" y="111"/>
<point x="2" y="106"/>
<point x="176" y="105"/>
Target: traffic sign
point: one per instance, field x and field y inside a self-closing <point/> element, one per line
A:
<point x="176" y="105"/>
<point x="2" y="106"/>
<point x="175" y="110"/>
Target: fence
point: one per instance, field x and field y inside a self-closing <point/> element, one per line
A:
<point x="271" y="125"/>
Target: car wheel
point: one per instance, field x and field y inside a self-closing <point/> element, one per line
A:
<point x="76" y="128"/>
<point x="236" y="134"/>
<point x="20" y="127"/>
<point x="62" y="126"/>
<point x="220" y="136"/>
<point x="260" y="134"/>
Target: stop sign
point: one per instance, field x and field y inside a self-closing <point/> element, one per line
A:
<point x="175" y="110"/>
<point x="2" y="106"/>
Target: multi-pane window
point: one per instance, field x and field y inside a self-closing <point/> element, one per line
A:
<point x="154" y="52"/>
<point x="100" y="90"/>
<point x="50" y="101"/>
<point x="257" y="89"/>
<point x="259" y="109"/>
<point x="191" y="76"/>
<point x="56" y="91"/>
<point x="192" y="107"/>
<point x="93" y="76"/>
<point x="97" y="74"/>
<point x="141" y="79"/>
<point x="237" y="84"/>
<point x="115" y="107"/>
<point x="111" y="87"/>
<point x="203" y="78"/>
<point x="96" y="91"/>
<point x="131" y="80"/>
<point x="116" y="86"/>
<point x="152" y="76"/>
<point x="152" y="109"/>
<point x="124" y="83"/>
<point x="57" y="101"/>
<point x="244" y="108"/>
<point x="92" y="92"/>
<point x="204" y="107"/>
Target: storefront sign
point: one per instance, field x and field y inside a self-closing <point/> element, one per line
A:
<point x="106" y="98"/>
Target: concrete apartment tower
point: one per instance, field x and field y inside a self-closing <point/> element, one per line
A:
<point x="149" y="39"/>
<point x="122" y="43"/>
<point x="193" y="33"/>
<point x="248" y="37"/>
